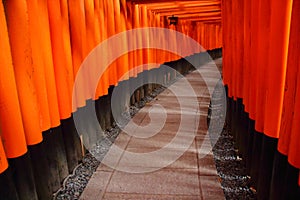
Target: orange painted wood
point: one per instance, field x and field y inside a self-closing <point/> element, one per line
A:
<point x="98" y="38"/>
<point x="145" y="39"/>
<point x="103" y="83"/>
<point x="247" y="50"/>
<point x="293" y="63"/>
<point x="3" y="160"/>
<point x="91" y="38"/>
<point x="67" y="47"/>
<point x="137" y="23"/>
<point x="264" y="13"/>
<point x="233" y="44"/>
<point x="225" y="65"/>
<point x="78" y="41"/>
<point x="112" y="71"/>
<point x="38" y="62"/>
<point x="90" y="25"/>
<point x="120" y="20"/>
<point x="220" y="36"/>
<point x="279" y="37"/>
<point x="17" y="20"/>
<point x="46" y="51"/>
<point x="97" y="11"/>
<point x="230" y="49"/>
<point x="63" y="71"/>
<point x="58" y="35"/>
<point x="294" y="140"/>
<point x="11" y="126"/>
<point x="227" y="45"/>
<point x="253" y="87"/>
<point x="237" y="50"/>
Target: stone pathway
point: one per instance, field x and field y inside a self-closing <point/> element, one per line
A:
<point x="166" y="152"/>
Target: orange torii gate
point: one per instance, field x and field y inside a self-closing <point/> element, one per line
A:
<point x="260" y="68"/>
<point x="43" y="44"/>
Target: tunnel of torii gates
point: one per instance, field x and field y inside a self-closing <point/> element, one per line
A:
<point x="43" y="44"/>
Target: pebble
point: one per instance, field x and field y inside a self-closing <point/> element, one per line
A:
<point x="230" y="167"/>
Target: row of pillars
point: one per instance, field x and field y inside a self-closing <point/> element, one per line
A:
<point x="40" y="172"/>
<point x="271" y="174"/>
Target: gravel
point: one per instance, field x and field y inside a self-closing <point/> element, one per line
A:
<point x="230" y="167"/>
<point x="75" y="183"/>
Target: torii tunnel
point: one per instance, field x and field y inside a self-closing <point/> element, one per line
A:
<point x="60" y="57"/>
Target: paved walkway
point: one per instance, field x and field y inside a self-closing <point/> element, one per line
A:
<point x="148" y="168"/>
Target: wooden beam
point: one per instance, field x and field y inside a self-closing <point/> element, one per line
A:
<point x="203" y="19"/>
<point x="188" y="9"/>
<point x="164" y="1"/>
<point x="181" y="5"/>
<point x="199" y="15"/>
<point x="178" y="13"/>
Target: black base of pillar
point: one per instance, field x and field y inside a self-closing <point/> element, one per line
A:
<point x="7" y="186"/>
<point x="278" y="176"/>
<point x="268" y="150"/>
<point x="271" y="174"/>
<point x="46" y="181"/>
<point x="72" y="143"/>
<point x="249" y="145"/>
<point x="291" y="187"/>
<point x="22" y="175"/>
